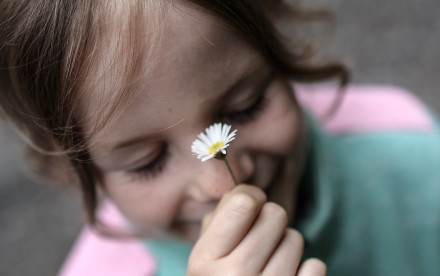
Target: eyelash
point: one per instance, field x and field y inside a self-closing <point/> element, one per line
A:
<point x="151" y="169"/>
<point x="249" y="114"/>
<point x="156" y="166"/>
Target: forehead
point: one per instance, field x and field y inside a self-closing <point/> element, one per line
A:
<point x="194" y="50"/>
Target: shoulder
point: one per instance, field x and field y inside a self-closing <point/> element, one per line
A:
<point x="367" y="109"/>
<point x="382" y="131"/>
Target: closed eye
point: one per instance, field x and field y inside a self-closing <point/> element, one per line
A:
<point x="250" y="113"/>
<point x="253" y="109"/>
<point x="151" y="169"/>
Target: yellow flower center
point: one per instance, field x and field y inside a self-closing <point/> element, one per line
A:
<point x="216" y="146"/>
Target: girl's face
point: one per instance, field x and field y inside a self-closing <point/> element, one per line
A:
<point x="204" y="73"/>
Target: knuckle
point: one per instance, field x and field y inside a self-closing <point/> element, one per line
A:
<point x="318" y="266"/>
<point x="253" y="191"/>
<point x="244" y="203"/>
<point x="295" y="237"/>
<point x="276" y="212"/>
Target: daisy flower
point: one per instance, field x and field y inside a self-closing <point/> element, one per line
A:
<point x="213" y="143"/>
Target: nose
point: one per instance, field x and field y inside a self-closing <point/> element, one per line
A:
<point x="212" y="178"/>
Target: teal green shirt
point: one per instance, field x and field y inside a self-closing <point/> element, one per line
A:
<point x="370" y="203"/>
<point x="171" y="256"/>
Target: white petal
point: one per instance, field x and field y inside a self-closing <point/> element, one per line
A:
<point x="217" y="132"/>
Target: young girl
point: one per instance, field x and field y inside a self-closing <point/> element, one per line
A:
<point x="111" y="95"/>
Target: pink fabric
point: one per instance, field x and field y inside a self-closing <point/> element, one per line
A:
<point x="367" y="108"/>
<point x="96" y="255"/>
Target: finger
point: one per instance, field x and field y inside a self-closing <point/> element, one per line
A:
<point x="313" y="267"/>
<point x="286" y="258"/>
<point x="231" y="221"/>
<point x="207" y="221"/>
<point x="263" y="237"/>
<point x="208" y="217"/>
<point x="245" y="189"/>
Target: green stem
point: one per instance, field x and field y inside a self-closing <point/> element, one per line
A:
<point x="230" y="171"/>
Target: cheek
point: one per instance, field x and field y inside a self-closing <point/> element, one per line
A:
<point x="143" y="204"/>
<point x="280" y="127"/>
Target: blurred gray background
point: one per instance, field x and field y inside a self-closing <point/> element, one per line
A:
<point x="393" y="42"/>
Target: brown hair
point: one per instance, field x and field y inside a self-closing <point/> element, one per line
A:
<point x="47" y="48"/>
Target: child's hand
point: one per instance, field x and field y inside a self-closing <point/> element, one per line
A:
<point x="246" y="235"/>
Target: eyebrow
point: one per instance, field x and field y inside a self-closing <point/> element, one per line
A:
<point x="141" y="138"/>
<point x="251" y="70"/>
<point x="130" y="142"/>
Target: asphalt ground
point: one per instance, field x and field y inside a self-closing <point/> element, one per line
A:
<point x="390" y="42"/>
